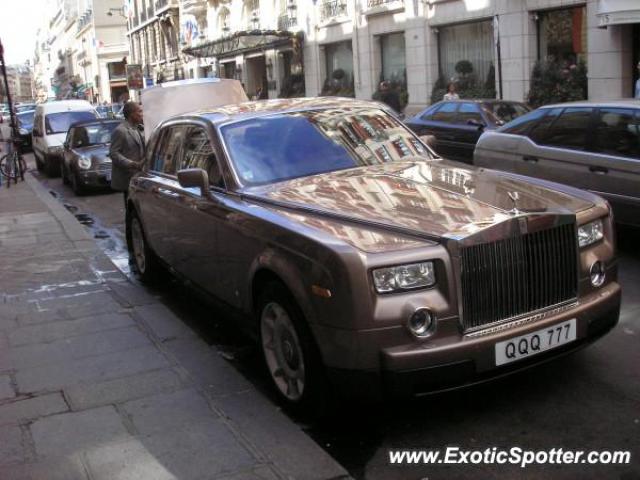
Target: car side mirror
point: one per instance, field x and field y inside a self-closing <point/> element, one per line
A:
<point x="428" y="140"/>
<point x="475" y="123"/>
<point x="195" y="178"/>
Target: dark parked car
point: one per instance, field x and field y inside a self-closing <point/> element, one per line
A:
<point x="589" y="145"/>
<point x="86" y="148"/>
<point x="363" y="262"/>
<point x="457" y="124"/>
<point x="25" y="127"/>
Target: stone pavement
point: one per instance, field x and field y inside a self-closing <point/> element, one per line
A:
<point x="99" y="380"/>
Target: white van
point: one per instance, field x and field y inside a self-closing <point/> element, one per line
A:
<point x="50" y="125"/>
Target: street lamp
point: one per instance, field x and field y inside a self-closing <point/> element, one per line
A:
<point x="119" y="11"/>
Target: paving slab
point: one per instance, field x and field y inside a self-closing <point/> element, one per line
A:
<point x="262" y="423"/>
<point x="12" y="448"/>
<point x="74" y="348"/>
<point x="6" y="390"/>
<point x="91" y="369"/>
<point x="24" y="409"/>
<point x="65" y="468"/>
<point x="71" y="433"/>
<point x="63" y="329"/>
<point x="120" y="390"/>
<point x="164" y="324"/>
<point x="169" y="411"/>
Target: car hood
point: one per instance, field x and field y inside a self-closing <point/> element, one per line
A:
<point x="96" y="152"/>
<point x="426" y="198"/>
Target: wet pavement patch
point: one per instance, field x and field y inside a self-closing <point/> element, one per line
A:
<point x="84" y="219"/>
<point x="101" y="234"/>
<point x="71" y="208"/>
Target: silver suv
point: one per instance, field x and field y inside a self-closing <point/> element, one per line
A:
<point x="590" y="145"/>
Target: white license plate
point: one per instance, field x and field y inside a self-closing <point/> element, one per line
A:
<point x="536" y="342"/>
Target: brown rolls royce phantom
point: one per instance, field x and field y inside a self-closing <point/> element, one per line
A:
<point x="363" y="261"/>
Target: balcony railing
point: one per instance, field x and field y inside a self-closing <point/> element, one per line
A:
<point x="332" y="9"/>
<point x="382" y="3"/>
<point x="85" y="19"/>
<point x="286" y="21"/>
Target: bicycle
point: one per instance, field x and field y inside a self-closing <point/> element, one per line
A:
<point x="13" y="165"/>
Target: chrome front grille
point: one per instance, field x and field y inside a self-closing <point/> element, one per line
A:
<point x="509" y="278"/>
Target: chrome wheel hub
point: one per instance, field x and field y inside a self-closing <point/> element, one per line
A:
<point x="282" y="351"/>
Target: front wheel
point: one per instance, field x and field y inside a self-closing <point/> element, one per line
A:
<point x="291" y="356"/>
<point x="145" y="261"/>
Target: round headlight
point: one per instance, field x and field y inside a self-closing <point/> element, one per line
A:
<point x="84" y="163"/>
<point x="420" y="322"/>
<point x="597" y="273"/>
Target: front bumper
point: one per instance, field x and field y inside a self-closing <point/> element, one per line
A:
<point x="423" y="368"/>
<point x="99" y="178"/>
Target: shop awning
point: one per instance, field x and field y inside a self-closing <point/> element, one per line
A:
<point x="618" y="12"/>
<point x="241" y="42"/>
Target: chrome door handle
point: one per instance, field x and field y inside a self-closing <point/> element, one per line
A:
<point x="599" y="170"/>
<point x="167" y="193"/>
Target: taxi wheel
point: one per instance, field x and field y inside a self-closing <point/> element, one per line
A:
<point x="291" y="356"/>
<point x="76" y="185"/>
<point x="145" y="262"/>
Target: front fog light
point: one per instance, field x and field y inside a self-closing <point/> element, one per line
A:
<point x="420" y="322"/>
<point x="597" y="274"/>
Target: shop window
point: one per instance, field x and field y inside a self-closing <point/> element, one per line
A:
<point x="339" y="69"/>
<point x="563" y="35"/>
<point x="392" y="50"/>
<point x="467" y="50"/>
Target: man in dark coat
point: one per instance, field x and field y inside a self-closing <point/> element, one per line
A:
<point x="390" y="96"/>
<point x="127" y="148"/>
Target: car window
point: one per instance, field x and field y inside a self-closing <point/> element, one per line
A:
<point x="60" y="122"/>
<point x="521" y="125"/>
<point x="298" y="144"/>
<point x="570" y="129"/>
<point x="168" y="149"/>
<point x="70" y="134"/>
<point x="446" y="112"/>
<point x="80" y="137"/>
<point x="469" y="111"/>
<point x="504" y="112"/>
<point x="428" y="113"/>
<point x="198" y="153"/>
<point x="540" y="131"/>
<point x="617" y="132"/>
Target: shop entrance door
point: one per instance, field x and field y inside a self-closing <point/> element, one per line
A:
<point x="256" y="78"/>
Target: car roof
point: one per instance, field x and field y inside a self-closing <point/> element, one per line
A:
<point x="480" y="100"/>
<point x="625" y="102"/>
<point x="261" y="108"/>
<point x="65" y="106"/>
<point x="84" y="123"/>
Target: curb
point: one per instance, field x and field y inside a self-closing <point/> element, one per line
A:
<point x="261" y="425"/>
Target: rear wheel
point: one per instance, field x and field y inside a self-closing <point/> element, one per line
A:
<point x="290" y="354"/>
<point x="51" y="167"/>
<point x="144" y="260"/>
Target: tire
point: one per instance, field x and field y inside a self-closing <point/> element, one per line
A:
<point x="51" y="168"/>
<point x="291" y="356"/>
<point x="39" y="164"/>
<point x="65" y="176"/>
<point x="76" y="186"/>
<point x="146" y="263"/>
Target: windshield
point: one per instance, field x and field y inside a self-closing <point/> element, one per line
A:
<point x="505" y="112"/>
<point x="98" y="134"/>
<point x="60" y="122"/>
<point x="291" y="145"/>
<point x="26" y="118"/>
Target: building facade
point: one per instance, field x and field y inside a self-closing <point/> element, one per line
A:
<point x="153" y="35"/>
<point x="349" y="46"/>
<point x="80" y="51"/>
<point x="20" y="82"/>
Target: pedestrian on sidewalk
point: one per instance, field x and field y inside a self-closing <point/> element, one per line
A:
<point x="127" y="149"/>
